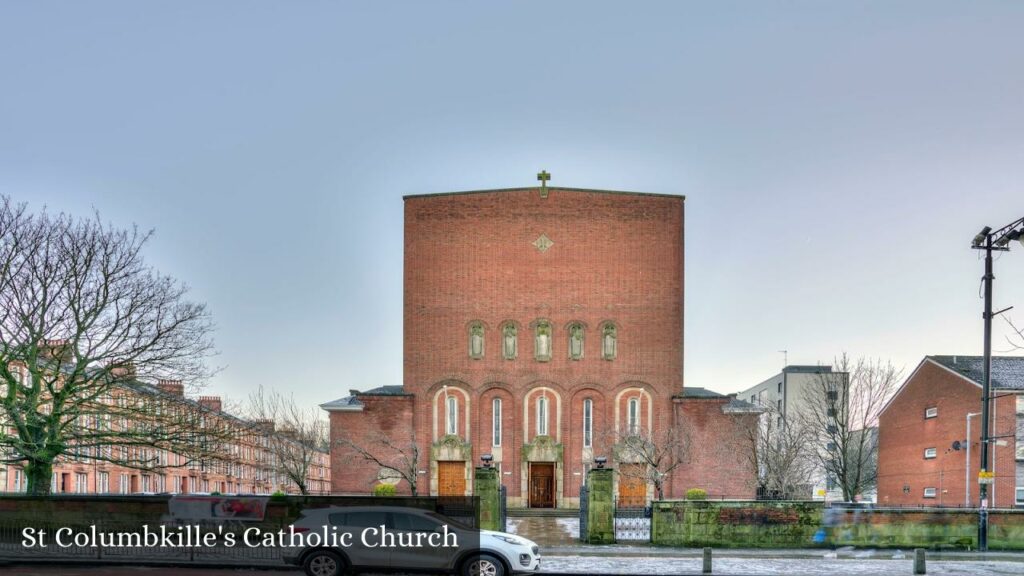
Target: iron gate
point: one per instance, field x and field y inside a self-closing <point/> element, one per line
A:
<point x="632" y="523"/>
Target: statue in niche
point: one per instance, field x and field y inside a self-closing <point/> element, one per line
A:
<point x="576" y="342"/>
<point x="476" y="341"/>
<point x="542" y="347"/>
<point x="608" y="338"/>
<point x="509" y="345"/>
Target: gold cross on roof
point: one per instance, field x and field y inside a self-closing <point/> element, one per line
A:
<point x="543" y="176"/>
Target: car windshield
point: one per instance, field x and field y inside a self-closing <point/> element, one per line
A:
<point x="450" y="522"/>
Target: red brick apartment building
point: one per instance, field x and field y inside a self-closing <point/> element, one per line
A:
<point x="538" y="323"/>
<point x="247" y="466"/>
<point x="923" y="440"/>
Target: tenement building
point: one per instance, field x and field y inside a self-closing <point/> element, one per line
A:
<point x="929" y="435"/>
<point x="541" y="326"/>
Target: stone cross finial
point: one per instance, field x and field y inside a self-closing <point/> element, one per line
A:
<point x="543" y="176"/>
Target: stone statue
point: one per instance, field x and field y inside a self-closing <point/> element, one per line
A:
<point x="543" y="344"/>
<point x="576" y="342"/>
<point x="476" y="341"/>
<point x="608" y="342"/>
<point x="509" y="345"/>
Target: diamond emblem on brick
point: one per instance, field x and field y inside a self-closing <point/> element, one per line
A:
<point x="543" y="243"/>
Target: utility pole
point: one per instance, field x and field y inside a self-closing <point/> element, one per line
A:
<point x="989" y="241"/>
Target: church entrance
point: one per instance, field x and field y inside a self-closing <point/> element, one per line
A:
<point x="542" y="484"/>
<point x="451" y="478"/>
<point x="632" y="486"/>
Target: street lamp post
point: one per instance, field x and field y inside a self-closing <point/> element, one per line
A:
<point x="990" y="241"/>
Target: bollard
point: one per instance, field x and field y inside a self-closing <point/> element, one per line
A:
<point x="919" y="561"/>
<point x="707" y="561"/>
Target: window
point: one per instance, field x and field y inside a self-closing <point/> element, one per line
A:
<point x="542" y="416"/>
<point x="1020" y="496"/>
<point x="122" y="484"/>
<point x="929" y="452"/>
<point x="81" y="483"/>
<point x="753" y="399"/>
<point x="20" y="480"/>
<point x="778" y="405"/>
<point x="453" y="415"/>
<point x="476" y="340"/>
<point x="609" y="341"/>
<point x="931" y="412"/>
<point x="191" y="484"/>
<point x="929" y="492"/>
<point x="780" y="387"/>
<point x="576" y="341"/>
<point x="588" y="423"/>
<point x="103" y="482"/>
<point x="496" y="422"/>
<point x="634" y="416"/>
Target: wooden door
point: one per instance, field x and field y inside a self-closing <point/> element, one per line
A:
<point x="542" y="484"/>
<point x="632" y="486"/>
<point x="451" y="478"/>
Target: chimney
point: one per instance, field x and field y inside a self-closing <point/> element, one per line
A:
<point x="172" y="387"/>
<point x="210" y="402"/>
<point x="58" y="349"/>
<point x="265" y="425"/>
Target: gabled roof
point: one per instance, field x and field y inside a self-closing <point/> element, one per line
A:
<point x="384" y="391"/>
<point x="698" y="392"/>
<point x="1007" y="371"/>
<point x="733" y="406"/>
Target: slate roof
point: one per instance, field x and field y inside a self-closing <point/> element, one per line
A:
<point x="1007" y="371"/>
<point x="346" y="403"/>
<point x="698" y="392"/>
<point x="385" y="391"/>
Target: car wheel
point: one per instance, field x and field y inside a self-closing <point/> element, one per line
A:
<point x="324" y="563"/>
<point x="483" y="565"/>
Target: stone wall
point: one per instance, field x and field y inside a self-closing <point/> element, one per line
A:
<point x="736" y="524"/>
<point x="739" y="524"/>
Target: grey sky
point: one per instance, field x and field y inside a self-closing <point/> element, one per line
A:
<point x="837" y="159"/>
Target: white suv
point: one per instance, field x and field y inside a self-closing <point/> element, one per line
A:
<point x="498" y="554"/>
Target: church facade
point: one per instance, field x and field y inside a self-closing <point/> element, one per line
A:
<point x="541" y="325"/>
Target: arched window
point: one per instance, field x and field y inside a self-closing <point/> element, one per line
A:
<point x="542" y="416"/>
<point x="476" y="340"/>
<point x="634" y="416"/>
<point x="588" y="423"/>
<point x="575" y="341"/>
<point x="609" y="341"/>
<point x="509" y="343"/>
<point x="542" y="341"/>
<point x="453" y="416"/>
<point x="496" y="422"/>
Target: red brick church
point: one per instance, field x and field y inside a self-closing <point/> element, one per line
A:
<point x="539" y="323"/>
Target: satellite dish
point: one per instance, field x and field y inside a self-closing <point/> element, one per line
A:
<point x="956" y="444"/>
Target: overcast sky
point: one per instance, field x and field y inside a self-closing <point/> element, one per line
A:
<point x="837" y="160"/>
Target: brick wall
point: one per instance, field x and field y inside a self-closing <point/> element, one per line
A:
<point x="904" y="433"/>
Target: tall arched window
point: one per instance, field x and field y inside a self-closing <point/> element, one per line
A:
<point x="453" y="416"/>
<point x="588" y="423"/>
<point x="542" y="416"/>
<point x="634" y="416"/>
<point x="496" y="422"/>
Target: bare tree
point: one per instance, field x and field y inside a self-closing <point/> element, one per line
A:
<point x="841" y="410"/>
<point x="401" y="457"/>
<point x="296" y="436"/>
<point x="82" y="320"/>
<point x="780" y="454"/>
<point x="650" y="457"/>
